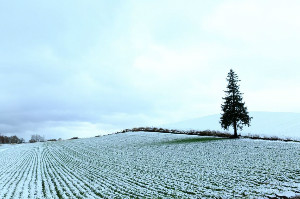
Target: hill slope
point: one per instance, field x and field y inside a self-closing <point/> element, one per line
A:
<point x="150" y="165"/>
<point x="263" y="123"/>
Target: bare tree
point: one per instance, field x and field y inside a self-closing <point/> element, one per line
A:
<point x="37" y="138"/>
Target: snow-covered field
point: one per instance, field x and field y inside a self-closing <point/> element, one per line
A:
<point x="150" y="165"/>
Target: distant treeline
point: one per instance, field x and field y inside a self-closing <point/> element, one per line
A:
<point x="11" y="140"/>
<point x="206" y="133"/>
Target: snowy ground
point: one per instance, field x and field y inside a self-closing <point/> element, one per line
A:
<point x="150" y="165"/>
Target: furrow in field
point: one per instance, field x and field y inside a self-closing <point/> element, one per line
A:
<point x="22" y="187"/>
<point x="78" y="178"/>
<point x="14" y="174"/>
<point x="48" y="187"/>
<point x="62" y="190"/>
<point x="84" y="171"/>
<point x="125" y="181"/>
<point x="134" y="182"/>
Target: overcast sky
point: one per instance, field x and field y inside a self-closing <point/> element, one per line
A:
<point x="82" y="68"/>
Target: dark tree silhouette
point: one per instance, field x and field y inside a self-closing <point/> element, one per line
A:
<point x="10" y="140"/>
<point x="234" y="112"/>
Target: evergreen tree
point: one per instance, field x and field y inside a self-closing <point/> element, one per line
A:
<point x="234" y="112"/>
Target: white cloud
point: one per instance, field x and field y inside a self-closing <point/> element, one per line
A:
<point x="269" y="28"/>
<point x="101" y="65"/>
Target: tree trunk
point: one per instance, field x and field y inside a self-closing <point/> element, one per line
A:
<point x="235" y="130"/>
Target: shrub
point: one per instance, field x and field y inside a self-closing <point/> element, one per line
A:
<point x="203" y="133"/>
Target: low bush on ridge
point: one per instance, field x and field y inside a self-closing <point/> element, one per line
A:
<point x="175" y="131"/>
<point x="205" y="133"/>
<point x="274" y="138"/>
